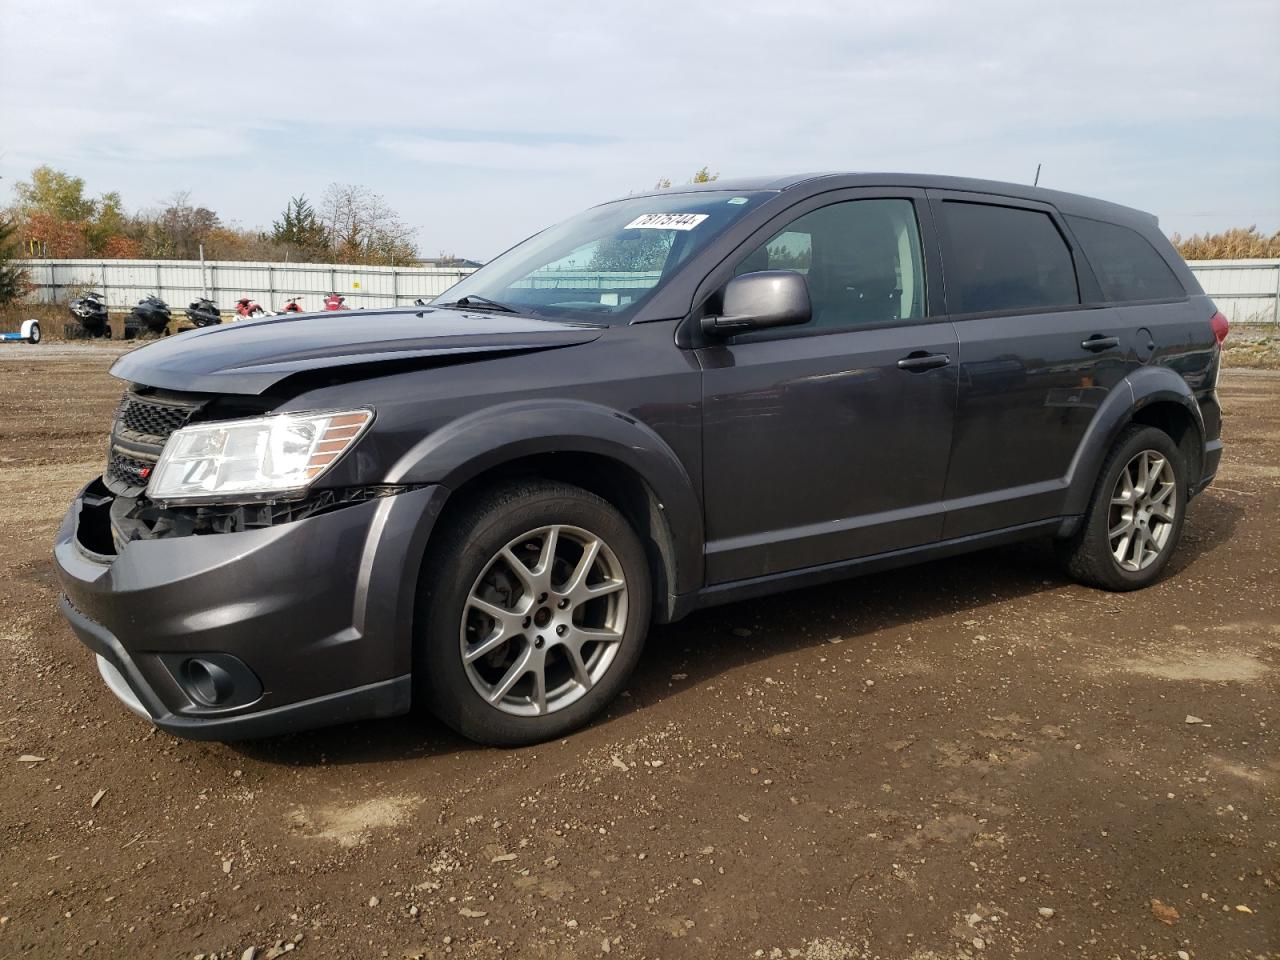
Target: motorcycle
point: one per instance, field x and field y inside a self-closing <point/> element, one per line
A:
<point x="204" y="313"/>
<point x="292" y="306"/>
<point x="335" y="301"/>
<point x="248" y="308"/>
<point x="90" y="310"/>
<point x="150" y="317"/>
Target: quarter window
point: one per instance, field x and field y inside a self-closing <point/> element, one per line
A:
<point x="861" y="258"/>
<point x="1005" y="258"/>
<point x="1127" y="265"/>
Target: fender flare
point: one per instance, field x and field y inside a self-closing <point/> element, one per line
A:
<point x="468" y="446"/>
<point x="1140" y="389"/>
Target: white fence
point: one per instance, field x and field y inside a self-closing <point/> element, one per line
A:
<point x="178" y="282"/>
<point x="1247" y="291"/>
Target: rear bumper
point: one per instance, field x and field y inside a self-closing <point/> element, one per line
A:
<point x="1212" y="460"/>
<point x="314" y="617"/>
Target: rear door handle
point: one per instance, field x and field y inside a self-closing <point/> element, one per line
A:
<point x="1098" y="342"/>
<point x="918" y="360"/>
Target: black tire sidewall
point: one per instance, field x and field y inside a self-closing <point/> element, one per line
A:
<point x="461" y="556"/>
<point x="1145" y="438"/>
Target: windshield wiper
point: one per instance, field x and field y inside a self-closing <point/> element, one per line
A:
<point x="480" y="303"/>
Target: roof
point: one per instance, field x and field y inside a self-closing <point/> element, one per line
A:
<point x="1071" y="203"/>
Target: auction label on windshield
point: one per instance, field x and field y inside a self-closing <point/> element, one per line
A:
<point x="666" y="221"/>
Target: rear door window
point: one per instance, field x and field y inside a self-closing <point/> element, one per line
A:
<point x="1127" y="265"/>
<point x="1005" y="258"/>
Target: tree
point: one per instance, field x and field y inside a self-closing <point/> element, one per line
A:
<point x="1237" y="243"/>
<point x="108" y="223"/>
<point x="300" y="228"/>
<point x="13" y="279"/>
<point x="363" y="229"/>
<point x="55" y="193"/>
<point x="178" y="230"/>
<point x="45" y="235"/>
<point x="702" y="176"/>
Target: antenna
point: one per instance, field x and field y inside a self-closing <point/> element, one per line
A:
<point x="1036" y="183"/>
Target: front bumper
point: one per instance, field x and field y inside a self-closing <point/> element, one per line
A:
<point x="317" y="612"/>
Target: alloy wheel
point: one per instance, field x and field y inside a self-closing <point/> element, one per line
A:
<point x="1144" y="505"/>
<point x="543" y="622"/>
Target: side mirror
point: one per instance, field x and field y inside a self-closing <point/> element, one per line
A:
<point x="755" y="301"/>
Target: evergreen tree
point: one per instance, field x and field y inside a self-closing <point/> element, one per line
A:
<point x="300" y="227"/>
<point x="13" y="279"/>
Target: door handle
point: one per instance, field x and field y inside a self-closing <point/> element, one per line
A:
<point x="1098" y="342"/>
<point x="918" y="361"/>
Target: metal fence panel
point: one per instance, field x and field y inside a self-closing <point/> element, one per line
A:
<point x="1246" y="291"/>
<point x="125" y="282"/>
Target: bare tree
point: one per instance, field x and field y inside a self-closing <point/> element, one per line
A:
<point x="362" y="228"/>
<point x="178" y="230"/>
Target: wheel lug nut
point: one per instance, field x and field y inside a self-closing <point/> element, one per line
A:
<point x="561" y="630"/>
<point x="542" y="598"/>
<point x="538" y="642"/>
<point x="564" y="602"/>
<point x="525" y="622"/>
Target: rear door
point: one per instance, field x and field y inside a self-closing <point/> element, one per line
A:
<point x="1038" y="353"/>
<point x="829" y="441"/>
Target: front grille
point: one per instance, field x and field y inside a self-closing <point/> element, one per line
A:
<point x="152" y="419"/>
<point x="143" y="423"/>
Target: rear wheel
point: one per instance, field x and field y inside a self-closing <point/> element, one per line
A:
<point x="535" y="605"/>
<point x="1135" y="517"/>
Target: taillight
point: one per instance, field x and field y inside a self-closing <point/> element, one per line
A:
<point x="1220" y="327"/>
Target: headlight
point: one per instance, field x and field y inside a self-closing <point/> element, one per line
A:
<point x="250" y="460"/>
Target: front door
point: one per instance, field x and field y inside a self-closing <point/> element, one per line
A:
<point x="829" y="441"/>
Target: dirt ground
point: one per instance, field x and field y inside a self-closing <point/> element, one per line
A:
<point x="972" y="758"/>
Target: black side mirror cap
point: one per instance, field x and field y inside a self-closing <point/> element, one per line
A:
<point x="755" y="301"/>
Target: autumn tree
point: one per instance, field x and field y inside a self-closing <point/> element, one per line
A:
<point x="44" y="235"/>
<point x="55" y="193"/>
<point x="177" y="231"/>
<point x="362" y="228"/>
<point x="13" y="279"/>
<point x="701" y="176"/>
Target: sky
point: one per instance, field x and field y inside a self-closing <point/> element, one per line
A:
<point x="481" y="122"/>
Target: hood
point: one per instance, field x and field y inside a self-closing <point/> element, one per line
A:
<point x="249" y="356"/>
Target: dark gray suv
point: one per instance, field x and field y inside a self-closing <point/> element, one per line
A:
<point x="666" y="402"/>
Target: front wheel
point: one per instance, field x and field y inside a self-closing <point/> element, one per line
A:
<point x="535" y="605"/>
<point x="1135" y="517"/>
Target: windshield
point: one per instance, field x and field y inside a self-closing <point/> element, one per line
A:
<point x="602" y="264"/>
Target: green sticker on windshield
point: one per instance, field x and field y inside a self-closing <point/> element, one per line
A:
<point x="738" y="200"/>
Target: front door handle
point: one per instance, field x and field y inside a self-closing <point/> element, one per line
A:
<point x="918" y="360"/>
<point x="1098" y="342"/>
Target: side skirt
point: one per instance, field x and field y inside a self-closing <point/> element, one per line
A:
<point x="826" y="573"/>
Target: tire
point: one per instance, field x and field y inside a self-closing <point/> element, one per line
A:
<point x="544" y="618"/>
<point x="33" y="332"/>
<point x="1092" y="555"/>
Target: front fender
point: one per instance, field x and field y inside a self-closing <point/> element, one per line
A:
<point x="479" y="441"/>
<point x="1140" y="389"/>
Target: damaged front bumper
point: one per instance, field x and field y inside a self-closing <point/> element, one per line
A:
<point x="227" y="636"/>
